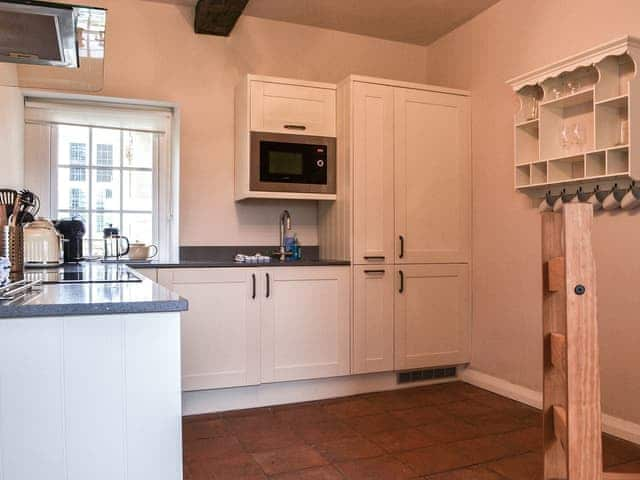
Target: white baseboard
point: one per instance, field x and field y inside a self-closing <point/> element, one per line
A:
<point x="209" y="401"/>
<point x="612" y="425"/>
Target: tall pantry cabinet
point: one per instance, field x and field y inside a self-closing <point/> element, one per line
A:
<point x="403" y="218"/>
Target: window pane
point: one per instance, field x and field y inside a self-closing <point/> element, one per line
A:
<point x="106" y="147"/>
<point x="73" y="188"/>
<point x="106" y="189"/>
<point x="138" y="149"/>
<point x="138" y="227"/>
<point x="137" y="189"/>
<point x="73" y="145"/>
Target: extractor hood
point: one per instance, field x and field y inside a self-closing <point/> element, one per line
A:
<point x="38" y="33"/>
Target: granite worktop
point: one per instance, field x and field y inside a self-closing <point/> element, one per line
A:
<point x="101" y="296"/>
<point x="231" y="264"/>
<point x="222" y="257"/>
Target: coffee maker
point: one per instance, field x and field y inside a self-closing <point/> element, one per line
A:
<point x="72" y="231"/>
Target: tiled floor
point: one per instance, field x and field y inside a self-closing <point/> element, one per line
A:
<point x="443" y="432"/>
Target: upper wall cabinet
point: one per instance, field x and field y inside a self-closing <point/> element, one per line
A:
<point x="573" y="123"/>
<point x="285" y="139"/>
<point x="286" y="108"/>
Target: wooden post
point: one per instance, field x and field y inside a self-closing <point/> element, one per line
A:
<point x="572" y="412"/>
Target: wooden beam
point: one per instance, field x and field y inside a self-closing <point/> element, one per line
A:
<point x="218" y="17"/>
<point x="584" y="422"/>
<point x="621" y="476"/>
<point x="554" y="321"/>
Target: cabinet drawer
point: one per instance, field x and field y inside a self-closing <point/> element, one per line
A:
<point x="282" y="108"/>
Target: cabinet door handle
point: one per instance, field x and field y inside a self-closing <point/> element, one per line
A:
<point x="374" y="271"/>
<point x="374" y="257"/>
<point x="268" y="285"/>
<point x="401" y="281"/>
<point x="295" y="127"/>
<point x="401" y="246"/>
<point x="253" y="279"/>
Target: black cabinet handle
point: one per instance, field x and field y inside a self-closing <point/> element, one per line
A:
<point x="401" y="246"/>
<point x="268" y="285"/>
<point x="374" y="271"/>
<point x="401" y="281"/>
<point x="253" y="278"/>
<point x="374" y="257"/>
<point x="295" y="127"/>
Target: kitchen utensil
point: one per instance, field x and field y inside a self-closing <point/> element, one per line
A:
<point x="7" y="199"/>
<point x="12" y="246"/>
<point x="73" y="231"/>
<point x="42" y="243"/>
<point x="113" y="247"/>
<point x="142" y="251"/>
<point x="29" y="207"/>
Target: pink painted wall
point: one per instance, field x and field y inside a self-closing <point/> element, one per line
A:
<point x="153" y="53"/>
<point x="514" y="37"/>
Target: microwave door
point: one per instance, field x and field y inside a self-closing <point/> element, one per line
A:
<point x="292" y="163"/>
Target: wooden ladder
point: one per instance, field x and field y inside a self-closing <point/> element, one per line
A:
<point x="571" y="386"/>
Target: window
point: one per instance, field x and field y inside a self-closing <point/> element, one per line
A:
<point x="109" y="162"/>
<point x="77" y="156"/>
<point x="76" y="200"/>
<point x="115" y="184"/>
<point x="104" y="158"/>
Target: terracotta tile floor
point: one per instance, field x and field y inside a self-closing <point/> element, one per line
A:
<point x="442" y="432"/>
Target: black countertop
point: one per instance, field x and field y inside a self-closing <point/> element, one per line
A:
<point x="231" y="264"/>
<point x="100" y="298"/>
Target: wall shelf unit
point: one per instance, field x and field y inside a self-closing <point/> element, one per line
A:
<point x="574" y="117"/>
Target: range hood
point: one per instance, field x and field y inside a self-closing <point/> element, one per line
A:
<point x="38" y="33"/>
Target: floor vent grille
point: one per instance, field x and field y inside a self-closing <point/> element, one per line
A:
<point x="427" y="374"/>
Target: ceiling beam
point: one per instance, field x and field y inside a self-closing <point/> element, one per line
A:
<point x="218" y="17"/>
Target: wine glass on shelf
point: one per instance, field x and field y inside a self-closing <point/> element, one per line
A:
<point x="579" y="136"/>
<point x="572" y="85"/>
<point x="565" y="139"/>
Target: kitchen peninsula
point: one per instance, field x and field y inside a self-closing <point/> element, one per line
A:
<point x="90" y="374"/>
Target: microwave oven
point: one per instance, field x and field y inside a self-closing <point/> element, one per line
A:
<point x="292" y="163"/>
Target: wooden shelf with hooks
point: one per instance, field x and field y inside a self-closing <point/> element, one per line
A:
<point x="572" y="126"/>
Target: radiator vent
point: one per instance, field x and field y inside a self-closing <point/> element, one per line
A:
<point x="427" y="374"/>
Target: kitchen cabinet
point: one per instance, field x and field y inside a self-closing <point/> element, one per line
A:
<point x="432" y="177"/>
<point x="292" y="107"/>
<point x="221" y="330"/>
<point x="373" y="296"/>
<point x="305" y="323"/>
<point x="403" y="207"/>
<point x="247" y="326"/>
<point x="373" y="186"/>
<point x="432" y="316"/>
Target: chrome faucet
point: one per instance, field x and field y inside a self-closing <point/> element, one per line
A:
<point x="285" y="224"/>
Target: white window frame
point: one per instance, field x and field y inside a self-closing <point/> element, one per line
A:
<point x="45" y="110"/>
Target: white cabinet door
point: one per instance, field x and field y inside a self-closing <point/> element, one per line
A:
<point x="305" y="323"/>
<point x="432" y="316"/>
<point x="221" y="330"/>
<point x="432" y="177"/>
<point x="373" y="173"/>
<point x="373" y="293"/>
<point x="283" y="108"/>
